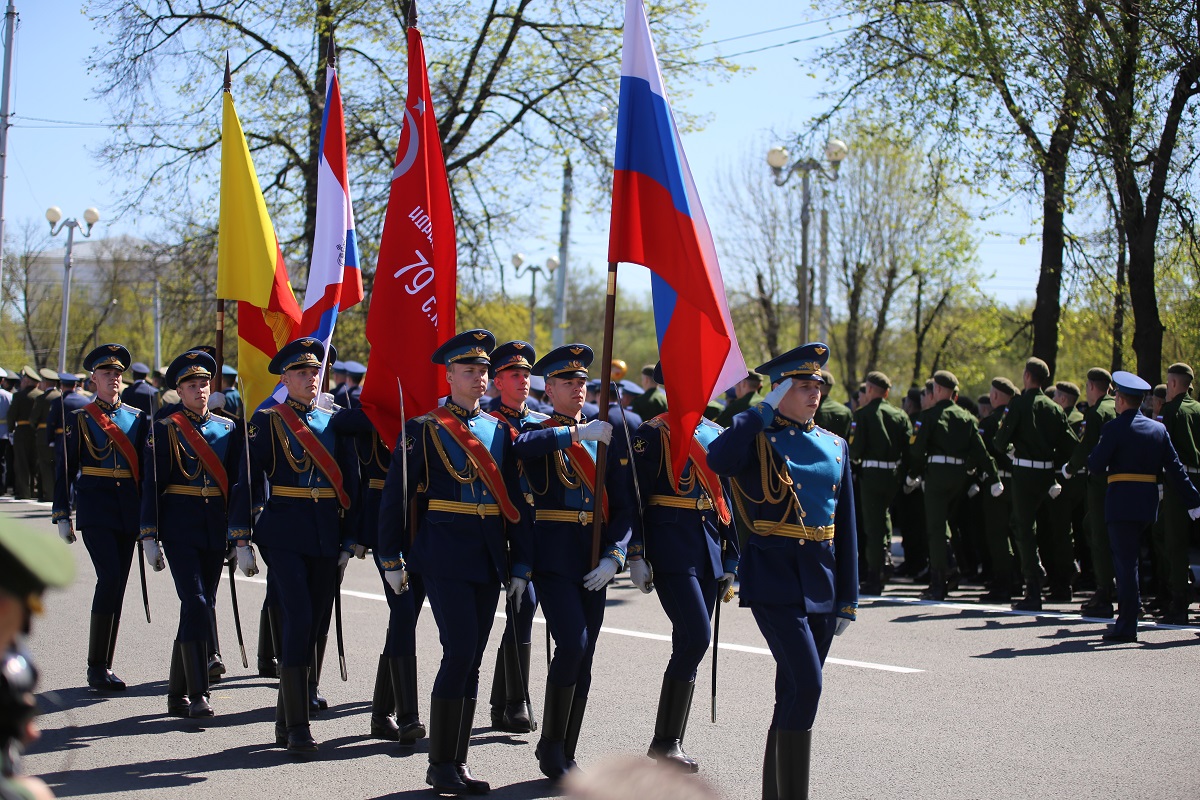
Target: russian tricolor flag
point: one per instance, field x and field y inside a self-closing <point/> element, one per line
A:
<point x="658" y="221"/>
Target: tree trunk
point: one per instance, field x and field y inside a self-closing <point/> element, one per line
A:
<point x="770" y="318"/>
<point x="1118" y="328"/>
<point x="854" y="294"/>
<point x="918" y="332"/>
<point x="1047" y="307"/>
<point x="885" y="306"/>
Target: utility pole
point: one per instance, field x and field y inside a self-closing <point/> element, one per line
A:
<point x="559" y="334"/>
<point x="10" y="29"/>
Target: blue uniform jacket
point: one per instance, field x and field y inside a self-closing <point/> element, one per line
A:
<point x="1133" y="446"/>
<point x="101" y="501"/>
<point x="565" y="548"/>
<point x="690" y="541"/>
<point x="374" y="458"/>
<point x="141" y="395"/>
<point x="782" y="570"/>
<point x="468" y="547"/>
<point x="54" y="418"/>
<point x="199" y="519"/>
<point x="299" y="524"/>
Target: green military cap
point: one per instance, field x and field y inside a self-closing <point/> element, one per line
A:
<point x="1099" y="376"/>
<point x="1179" y="368"/>
<point x="31" y="373"/>
<point x="30" y="562"/>
<point x="1039" y="369"/>
<point x="827" y="376"/>
<point x="1160" y="391"/>
<point x="1002" y="384"/>
<point x="945" y="379"/>
<point x="47" y="374"/>
<point x="879" y="379"/>
<point x="983" y="400"/>
<point x="1066" y="387"/>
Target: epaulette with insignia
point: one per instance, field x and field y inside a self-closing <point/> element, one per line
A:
<point x="424" y="418"/>
<point x="654" y="422"/>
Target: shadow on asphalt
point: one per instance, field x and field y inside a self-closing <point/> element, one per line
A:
<point x="526" y="790"/>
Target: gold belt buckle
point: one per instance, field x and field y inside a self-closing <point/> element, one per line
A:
<point x="583" y="517"/>
<point x="204" y="491"/>
<point x="704" y="503"/>
<point x="316" y="494"/>
<point x="480" y="510"/>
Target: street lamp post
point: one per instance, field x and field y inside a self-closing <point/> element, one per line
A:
<point x="533" y="270"/>
<point x="777" y="159"/>
<point x="53" y="215"/>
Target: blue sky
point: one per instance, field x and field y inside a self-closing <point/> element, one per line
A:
<point x="55" y="164"/>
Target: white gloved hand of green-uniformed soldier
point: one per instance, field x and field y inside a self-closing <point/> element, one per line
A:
<point x="247" y="563"/>
<point x="598" y="578"/>
<point x="154" y="554"/>
<point x="774" y="396"/>
<point x="1055" y="490"/>
<point x="595" y="431"/>
<point x="65" y="532"/>
<point x="642" y="575"/>
<point x="397" y="579"/>
<point x="997" y="489"/>
<point x="1194" y="513"/>
<point x="516" y="590"/>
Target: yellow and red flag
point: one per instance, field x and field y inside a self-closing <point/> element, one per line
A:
<point x="250" y="266"/>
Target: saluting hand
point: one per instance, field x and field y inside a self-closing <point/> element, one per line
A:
<point x="774" y="397"/>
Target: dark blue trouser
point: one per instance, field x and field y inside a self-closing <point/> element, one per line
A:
<point x="303" y="586"/>
<point x="1123" y="538"/>
<point x="799" y="642"/>
<point x="403" y="612"/>
<point x="574" y="615"/>
<point x="464" y="612"/>
<point x="196" y="574"/>
<point x="688" y="602"/>
<point x="522" y="621"/>
<point x="111" y="550"/>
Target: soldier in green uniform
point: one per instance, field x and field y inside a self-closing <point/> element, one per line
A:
<point x="41" y="445"/>
<point x="653" y="401"/>
<point x="1037" y="431"/>
<point x="745" y="394"/>
<point x="1101" y="410"/>
<point x="878" y="441"/>
<point x="997" y="510"/>
<point x="947" y="448"/>
<point x="832" y="415"/>
<point x="1074" y="491"/>
<point x="1181" y="416"/>
<point x="21" y="430"/>
<point x="910" y="503"/>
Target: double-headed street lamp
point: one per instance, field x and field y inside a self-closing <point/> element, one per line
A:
<point x="777" y="158"/>
<point x="533" y="270"/>
<point x="53" y="215"/>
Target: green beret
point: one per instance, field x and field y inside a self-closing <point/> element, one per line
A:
<point x="1099" y="376"/>
<point x="1160" y="391"/>
<point x="945" y="379"/>
<point x="1002" y="384"/>
<point x="1179" y="368"/>
<point x="1066" y="387"/>
<point x="879" y="379"/>
<point x="1039" y="369"/>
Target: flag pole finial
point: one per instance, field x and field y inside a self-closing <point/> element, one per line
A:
<point x="228" y="76"/>
<point x="412" y="13"/>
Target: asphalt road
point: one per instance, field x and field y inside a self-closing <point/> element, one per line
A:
<point x="922" y="700"/>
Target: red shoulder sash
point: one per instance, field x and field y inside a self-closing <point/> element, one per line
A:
<point x="316" y="451"/>
<point x="203" y="451"/>
<point x="583" y="463"/>
<point x="481" y="457"/>
<point x="708" y="479"/>
<point x="117" y="437"/>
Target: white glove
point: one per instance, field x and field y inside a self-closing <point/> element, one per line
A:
<point x="997" y="489"/>
<point x="247" y="563"/>
<point x="397" y="579"/>
<point x="1064" y="472"/>
<point x="974" y="490"/>
<point x="343" y="560"/>
<point x="911" y="484"/>
<point x="1054" y="491"/>
<point x="598" y="578"/>
<point x="1160" y="492"/>
<point x="842" y="624"/>
<point x="65" y="532"/>
<point x="154" y="554"/>
<point x="594" y="431"/>
<point x="642" y="575"/>
<point x="360" y="551"/>
<point x="775" y="395"/>
<point x="516" y="590"/>
<point x="1194" y="513"/>
<point x="725" y="586"/>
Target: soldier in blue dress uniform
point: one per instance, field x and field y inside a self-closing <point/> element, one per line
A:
<point x="301" y="477"/>
<point x="799" y="573"/>
<point x="461" y="510"/>
<point x="394" y="713"/>
<point x="101" y="464"/>
<point x="687" y="529"/>
<point x="141" y="394"/>
<point x="1134" y="452"/>
<point x="558" y="460"/>
<point x="511" y="365"/>
<point x="191" y="458"/>
<point x="72" y="400"/>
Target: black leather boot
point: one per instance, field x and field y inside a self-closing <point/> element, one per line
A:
<point x="674" y="702"/>
<point x="497" y="697"/>
<point x="873" y="584"/>
<point x="937" y="586"/>
<point x="466" y="721"/>
<point x="1032" y="601"/>
<point x="216" y="665"/>
<point x="177" y="701"/>
<point x="517" y="718"/>
<point x="195" y="670"/>
<point x="403" y="671"/>
<point x="280" y="720"/>
<point x="383" y="705"/>
<point x="770" y="781"/>
<point x="316" y="700"/>
<point x="293" y="686"/>
<point x="268" y="667"/>
<point x="574" y="724"/>
<point x="792" y="751"/>
<point x="551" y="748"/>
<point x="445" y="717"/>
<point x="101" y="637"/>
